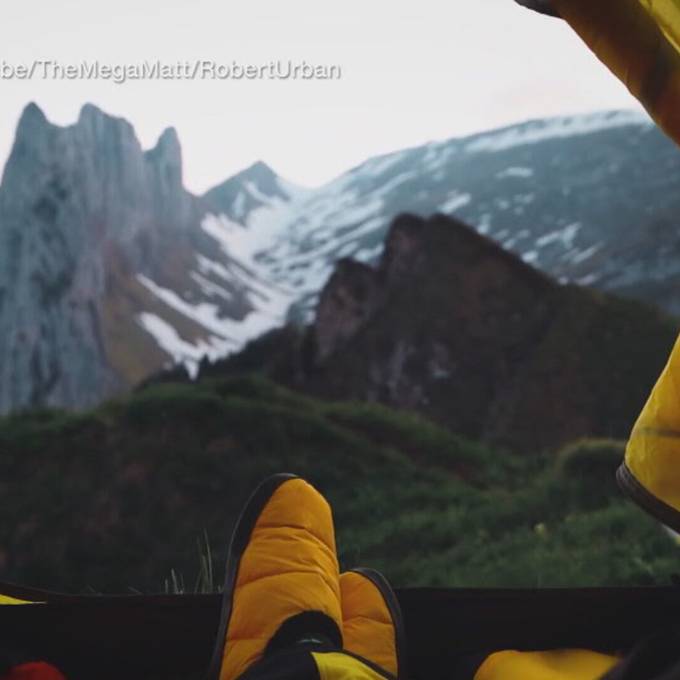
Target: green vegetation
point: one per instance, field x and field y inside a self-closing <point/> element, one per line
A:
<point x="204" y="583"/>
<point x="116" y="498"/>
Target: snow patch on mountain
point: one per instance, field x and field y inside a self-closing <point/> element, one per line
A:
<point x="204" y="313"/>
<point x="395" y="182"/>
<point x="209" y="288"/>
<point x="379" y="165"/>
<point x="520" y="172"/>
<point x="564" y="236"/>
<point x="484" y="224"/>
<point x="556" y="128"/>
<point x="234" y="238"/>
<point x="586" y="254"/>
<point x="269" y="307"/>
<point x="182" y="352"/>
<point x="454" y="202"/>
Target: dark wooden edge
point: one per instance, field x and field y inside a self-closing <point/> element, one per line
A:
<point x="500" y="595"/>
<point x="173" y="636"/>
<point x="37" y="595"/>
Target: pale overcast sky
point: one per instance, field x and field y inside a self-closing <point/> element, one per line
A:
<point x="411" y="72"/>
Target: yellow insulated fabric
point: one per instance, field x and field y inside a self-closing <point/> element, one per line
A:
<point x="567" y="664"/>
<point x="289" y="566"/>
<point x="639" y="40"/>
<point x="368" y="629"/>
<point x="6" y="599"/>
<point x="338" y="666"/>
<point x="653" y="452"/>
<point x="666" y="13"/>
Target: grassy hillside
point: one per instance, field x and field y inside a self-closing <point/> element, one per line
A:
<point x="116" y="498"/>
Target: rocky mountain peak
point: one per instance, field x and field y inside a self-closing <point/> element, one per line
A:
<point x="32" y="132"/>
<point x="102" y="131"/>
<point x="402" y="245"/>
<point x="255" y="186"/>
<point x="89" y="112"/>
<point x="32" y="118"/>
<point x="167" y="155"/>
<point x="108" y="271"/>
<point x="346" y="304"/>
<point x="259" y="170"/>
<point x="433" y="254"/>
<point x="451" y="325"/>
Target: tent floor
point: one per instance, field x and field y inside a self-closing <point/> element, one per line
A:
<point x="172" y="637"/>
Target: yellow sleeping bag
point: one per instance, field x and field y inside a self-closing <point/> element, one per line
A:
<point x="650" y="474"/>
<point x="6" y="599"/>
<point x="568" y="664"/>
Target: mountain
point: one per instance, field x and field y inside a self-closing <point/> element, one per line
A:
<point x="453" y="327"/>
<point x="111" y="270"/>
<point x="107" y="269"/>
<point x="589" y="199"/>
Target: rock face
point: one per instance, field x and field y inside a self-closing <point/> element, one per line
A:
<point x="346" y="304"/>
<point x="107" y="270"/>
<point x="450" y="325"/>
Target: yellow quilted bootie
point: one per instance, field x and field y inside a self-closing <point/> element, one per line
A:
<point x="372" y="624"/>
<point x="282" y="580"/>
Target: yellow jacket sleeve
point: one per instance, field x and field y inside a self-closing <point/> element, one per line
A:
<point x="639" y="40"/>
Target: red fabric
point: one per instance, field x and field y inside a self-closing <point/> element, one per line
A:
<point x="37" y="670"/>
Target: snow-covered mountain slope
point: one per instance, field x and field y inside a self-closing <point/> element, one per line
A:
<point x="108" y="271"/>
<point x="590" y="199"/>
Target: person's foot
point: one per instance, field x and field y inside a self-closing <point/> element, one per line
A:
<point x="372" y="623"/>
<point x="282" y="579"/>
